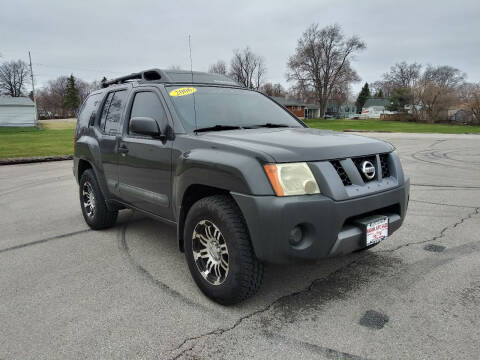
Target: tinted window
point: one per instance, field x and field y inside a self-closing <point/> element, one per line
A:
<point x="105" y="110"/>
<point x="89" y="109"/>
<point x="147" y="104"/>
<point x="111" y="120"/>
<point x="226" y="106"/>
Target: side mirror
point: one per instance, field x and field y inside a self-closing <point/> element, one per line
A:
<point x="144" y="126"/>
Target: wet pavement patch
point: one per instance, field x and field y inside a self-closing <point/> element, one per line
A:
<point x="434" y="248"/>
<point x="374" y="320"/>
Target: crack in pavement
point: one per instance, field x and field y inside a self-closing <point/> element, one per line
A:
<point x="440" y="235"/>
<point x="443" y="204"/>
<point x="466" y="187"/>
<point x="321" y="350"/>
<point x="221" y="331"/>
<point x="36" y="242"/>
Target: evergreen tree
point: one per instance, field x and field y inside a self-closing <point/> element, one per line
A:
<point x="362" y="97"/>
<point x="71" y="99"/>
<point x="379" y="93"/>
<point x="400" y="97"/>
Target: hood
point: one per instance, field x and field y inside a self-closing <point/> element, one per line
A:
<point x="300" y="144"/>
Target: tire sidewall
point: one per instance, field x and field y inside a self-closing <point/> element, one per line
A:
<point x="229" y="289"/>
<point x="90" y="177"/>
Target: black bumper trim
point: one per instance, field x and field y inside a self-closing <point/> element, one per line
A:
<point x="328" y="231"/>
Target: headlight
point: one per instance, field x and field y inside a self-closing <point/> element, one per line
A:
<point x="291" y="179"/>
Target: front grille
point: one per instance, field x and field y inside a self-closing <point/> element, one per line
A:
<point x="341" y="172"/>
<point x="358" y="163"/>
<point x="384" y="165"/>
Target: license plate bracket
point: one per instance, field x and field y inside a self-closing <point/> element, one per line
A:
<point x="375" y="229"/>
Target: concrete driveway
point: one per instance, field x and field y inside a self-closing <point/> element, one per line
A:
<point x="123" y="293"/>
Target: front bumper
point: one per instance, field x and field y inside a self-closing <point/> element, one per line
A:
<point x="329" y="226"/>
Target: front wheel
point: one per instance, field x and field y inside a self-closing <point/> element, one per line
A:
<point x="219" y="252"/>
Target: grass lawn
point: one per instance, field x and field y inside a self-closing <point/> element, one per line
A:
<point x="52" y="138"/>
<point x="56" y="137"/>
<point x="391" y="126"/>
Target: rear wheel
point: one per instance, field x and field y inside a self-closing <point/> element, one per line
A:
<point x="219" y="252"/>
<point x="92" y="202"/>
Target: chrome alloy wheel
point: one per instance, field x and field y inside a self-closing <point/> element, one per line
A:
<point x="210" y="252"/>
<point x="88" y="199"/>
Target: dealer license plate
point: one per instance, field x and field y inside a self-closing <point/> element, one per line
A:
<point x="377" y="231"/>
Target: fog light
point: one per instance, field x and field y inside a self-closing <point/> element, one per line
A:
<point x="296" y="235"/>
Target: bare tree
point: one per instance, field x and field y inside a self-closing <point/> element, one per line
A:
<point x="85" y="88"/>
<point x="13" y="78"/>
<point x="220" y="67"/>
<point x="436" y="91"/>
<point x="469" y="94"/>
<point x="322" y="61"/>
<point x="403" y="75"/>
<point x="50" y="98"/>
<point x="273" y="89"/>
<point x="247" y="68"/>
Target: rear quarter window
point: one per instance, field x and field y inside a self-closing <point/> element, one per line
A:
<point x="111" y="119"/>
<point x="89" y="109"/>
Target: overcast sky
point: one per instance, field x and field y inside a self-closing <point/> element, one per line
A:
<point x="112" y="38"/>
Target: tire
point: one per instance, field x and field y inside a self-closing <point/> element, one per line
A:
<point x="96" y="215"/>
<point x="220" y="216"/>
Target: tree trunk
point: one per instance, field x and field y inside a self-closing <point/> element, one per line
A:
<point x="323" y="107"/>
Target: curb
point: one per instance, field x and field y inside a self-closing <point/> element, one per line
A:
<point x="29" y="160"/>
<point x="367" y="131"/>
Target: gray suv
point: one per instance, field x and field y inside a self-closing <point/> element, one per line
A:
<point x="244" y="181"/>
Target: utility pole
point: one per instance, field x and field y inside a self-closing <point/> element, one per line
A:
<point x="33" y="89"/>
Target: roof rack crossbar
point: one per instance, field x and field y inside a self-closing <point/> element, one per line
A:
<point x="151" y="74"/>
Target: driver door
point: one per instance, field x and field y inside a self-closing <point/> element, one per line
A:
<point x="145" y="163"/>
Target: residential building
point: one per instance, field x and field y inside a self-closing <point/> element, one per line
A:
<point x="374" y="107"/>
<point x="17" y="111"/>
<point x="295" y="106"/>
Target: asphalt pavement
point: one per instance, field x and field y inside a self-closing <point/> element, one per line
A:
<point x="67" y="292"/>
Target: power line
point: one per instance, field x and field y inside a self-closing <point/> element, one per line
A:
<point x="78" y="69"/>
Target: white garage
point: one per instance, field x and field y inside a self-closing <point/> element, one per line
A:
<point x="16" y="111"/>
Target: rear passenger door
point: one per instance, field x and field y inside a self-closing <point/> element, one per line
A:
<point x="145" y="162"/>
<point x="109" y="130"/>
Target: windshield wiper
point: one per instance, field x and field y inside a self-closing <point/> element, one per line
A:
<point x="217" y="128"/>
<point x="269" y="125"/>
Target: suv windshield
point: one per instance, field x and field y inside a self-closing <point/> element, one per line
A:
<point x="220" y="108"/>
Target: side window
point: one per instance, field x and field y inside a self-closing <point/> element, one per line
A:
<point x="113" y="122"/>
<point x="88" y="110"/>
<point x="105" y="111"/>
<point x="147" y="104"/>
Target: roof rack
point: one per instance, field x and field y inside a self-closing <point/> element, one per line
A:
<point x="174" y="77"/>
<point x="148" y="75"/>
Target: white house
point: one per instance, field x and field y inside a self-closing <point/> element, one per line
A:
<point x="16" y="111"/>
<point x="374" y="107"/>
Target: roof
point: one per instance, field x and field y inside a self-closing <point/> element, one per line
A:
<point x="376" y="102"/>
<point x="15" y="101"/>
<point x="288" y="101"/>
<point x="174" y="77"/>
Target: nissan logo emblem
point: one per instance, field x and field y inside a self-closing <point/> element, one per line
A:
<point x="368" y="170"/>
